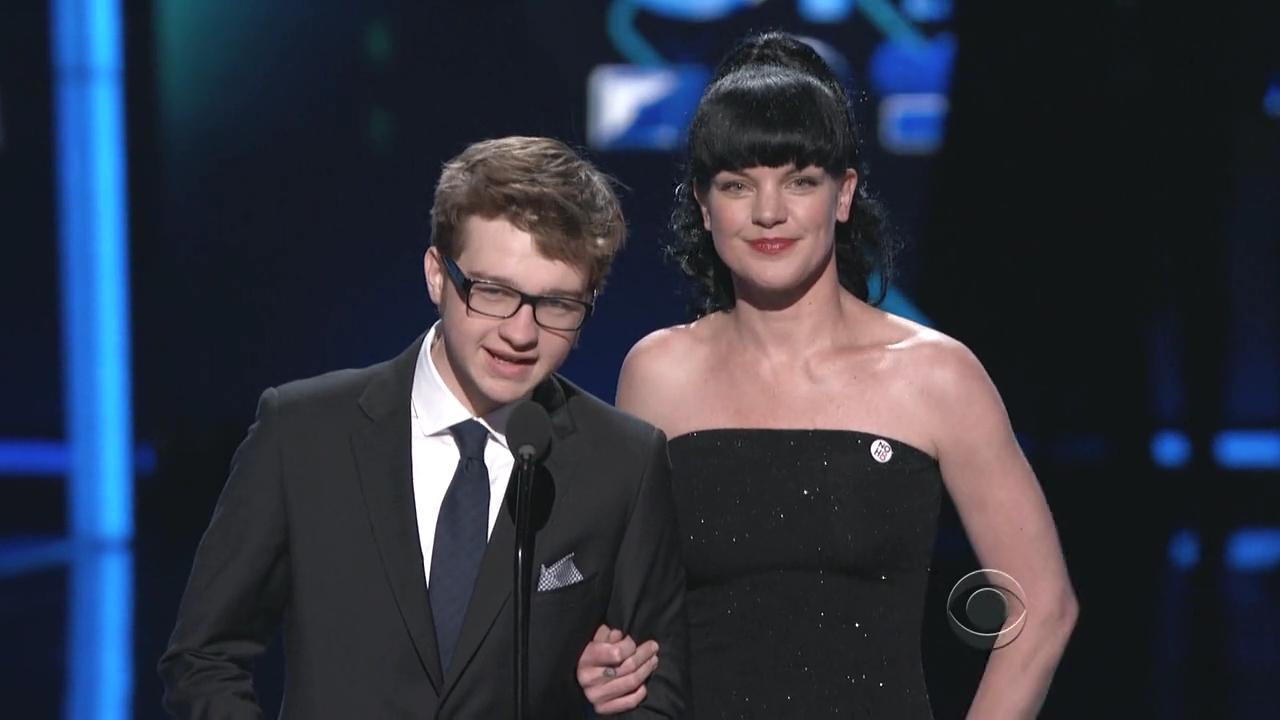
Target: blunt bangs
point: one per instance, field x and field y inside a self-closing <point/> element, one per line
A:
<point x="769" y="117"/>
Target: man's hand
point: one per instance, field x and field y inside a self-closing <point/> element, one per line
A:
<point x="612" y="670"/>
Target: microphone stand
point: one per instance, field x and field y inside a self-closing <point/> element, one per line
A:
<point x="523" y="477"/>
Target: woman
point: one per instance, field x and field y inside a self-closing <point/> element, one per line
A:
<point x="812" y="434"/>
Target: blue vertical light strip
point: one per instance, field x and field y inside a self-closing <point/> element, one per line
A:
<point x="99" y="638"/>
<point x="88" y="71"/>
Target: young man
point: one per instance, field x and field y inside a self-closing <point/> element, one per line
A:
<point x="364" y="511"/>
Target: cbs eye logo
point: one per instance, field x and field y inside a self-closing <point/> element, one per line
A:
<point x="987" y="609"/>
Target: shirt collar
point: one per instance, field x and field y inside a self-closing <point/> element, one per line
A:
<point x="436" y="408"/>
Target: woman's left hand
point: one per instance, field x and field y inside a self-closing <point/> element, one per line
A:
<point x="612" y="670"/>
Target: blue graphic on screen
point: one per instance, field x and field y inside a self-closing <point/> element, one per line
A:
<point x="691" y="10"/>
<point x="642" y="108"/>
<point x="927" y="10"/>
<point x="913" y="123"/>
<point x="824" y="11"/>
<point x="646" y="104"/>
<point x="912" y="66"/>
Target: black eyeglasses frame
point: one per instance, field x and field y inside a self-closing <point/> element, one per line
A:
<point x="465" y="284"/>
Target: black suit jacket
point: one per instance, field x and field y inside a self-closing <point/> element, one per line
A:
<point x="316" y="531"/>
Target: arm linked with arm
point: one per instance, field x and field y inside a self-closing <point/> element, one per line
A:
<point x="649" y="587"/>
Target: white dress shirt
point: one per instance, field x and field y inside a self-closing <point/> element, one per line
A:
<point x="435" y="453"/>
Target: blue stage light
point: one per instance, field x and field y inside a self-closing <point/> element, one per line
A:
<point x="1253" y="549"/>
<point x="1170" y="449"/>
<point x="100" y="634"/>
<point x="1184" y="549"/>
<point x="1271" y="98"/>
<point x="50" y="458"/>
<point x="913" y="124"/>
<point x="33" y="458"/>
<point x="88" y="71"/>
<point x="1247" y="449"/>
<point x="19" y="556"/>
<point x="927" y="10"/>
<point x="824" y="11"/>
<point x="693" y="10"/>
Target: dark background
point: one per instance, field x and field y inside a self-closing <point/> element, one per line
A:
<point x="1100" y="226"/>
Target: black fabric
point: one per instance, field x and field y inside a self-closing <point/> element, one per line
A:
<point x="807" y="562"/>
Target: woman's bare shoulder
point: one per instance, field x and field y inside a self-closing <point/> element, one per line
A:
<point x="948" y="375"/>
<point x="660" y="369"/>
<point x="664" y="355"/>
<point x="922" y="349"/>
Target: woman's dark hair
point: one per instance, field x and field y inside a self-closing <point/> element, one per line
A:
<point x="773" y="102"/>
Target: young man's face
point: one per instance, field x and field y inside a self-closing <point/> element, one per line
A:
<point x="486" y="361"/>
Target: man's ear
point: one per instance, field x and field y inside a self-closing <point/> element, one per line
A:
<point x="433" y="269"/>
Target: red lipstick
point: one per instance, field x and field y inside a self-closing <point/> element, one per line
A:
<point x="772" y="245"/>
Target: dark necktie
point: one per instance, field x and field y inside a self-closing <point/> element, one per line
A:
<point x="462" y="532"/>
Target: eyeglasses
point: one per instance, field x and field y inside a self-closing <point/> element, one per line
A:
<point x="499" y="301"/>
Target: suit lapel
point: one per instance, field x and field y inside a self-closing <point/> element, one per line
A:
<point x="384" y="458"/>
<point x="565" y="452"/>
<point x="494" y="584"/>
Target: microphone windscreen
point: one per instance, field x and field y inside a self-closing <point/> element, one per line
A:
<point x="529" y="428"/>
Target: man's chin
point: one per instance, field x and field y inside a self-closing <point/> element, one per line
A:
<point x="503" y="391"/>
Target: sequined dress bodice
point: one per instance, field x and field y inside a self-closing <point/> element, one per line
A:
<point x="807" y="554"/>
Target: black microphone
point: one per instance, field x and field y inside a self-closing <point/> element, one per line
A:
<point x="529" y="437"/>
<point x="529" y="431"/>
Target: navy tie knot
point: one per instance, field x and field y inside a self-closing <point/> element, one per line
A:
<point x="471" y="437"/>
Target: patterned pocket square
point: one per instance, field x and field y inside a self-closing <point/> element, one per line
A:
<point x="561" y="573"/>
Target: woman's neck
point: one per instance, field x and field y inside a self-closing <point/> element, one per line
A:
<point x="775" y="328"/>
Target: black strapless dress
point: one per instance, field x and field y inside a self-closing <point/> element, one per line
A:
<point x="807" y="554"/>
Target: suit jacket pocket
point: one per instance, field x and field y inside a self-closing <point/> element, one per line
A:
<point x="573" y="595"/>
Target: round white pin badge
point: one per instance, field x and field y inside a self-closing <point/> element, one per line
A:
<point x="881" y="450"/>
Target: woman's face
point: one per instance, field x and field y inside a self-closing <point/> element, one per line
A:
<point x="774" y="227"/>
